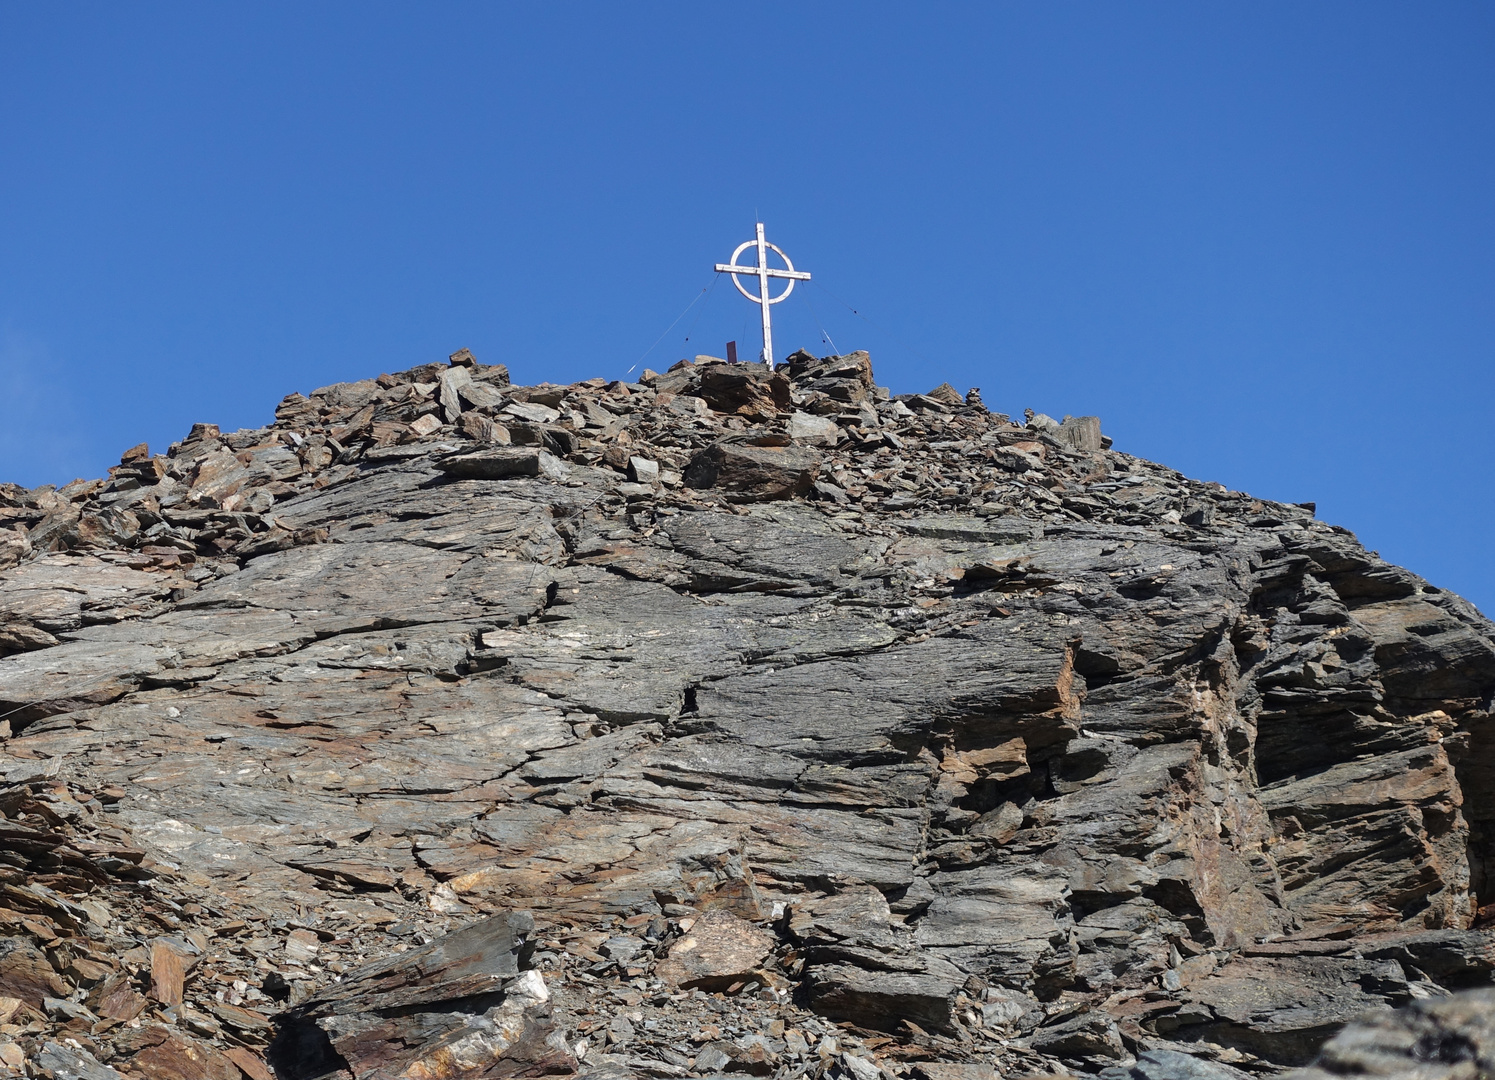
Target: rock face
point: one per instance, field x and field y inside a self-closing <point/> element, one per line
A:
<point x="727" y="720"/>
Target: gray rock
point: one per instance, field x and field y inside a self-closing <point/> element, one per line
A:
<point x="62" y="1062"/>
<point x="1093" y="1035"/>
<point x="65" y="1010"/>
<point x="713" y="1057"/>
<point x="642" y="470"/>
<point x="532" y="412"/>
<point x="414" y="1010"/>
<point x="955" y="1070"/>
<point x="884" y="991"/>
<point x="1171" y="1065"/>
<point x="454" y="381"/>
<point x="807" y="429"/>
<point x="1083" y="434"/>
<point x="475" y="960"/>
<point x="501" y="464"/>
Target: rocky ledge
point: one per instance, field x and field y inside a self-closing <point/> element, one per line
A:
<point x="729" y="721"/>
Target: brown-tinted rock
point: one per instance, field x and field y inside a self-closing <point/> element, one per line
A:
<point x="166" y="974"/>
<point x="26" y="974"/>
<point x="160" y="1053"/>
<point x="743" y="389"/>
<point x="844" y="379"/>
<point x="117" y="999"/>
<point x="483" y="429"/>
<point x="718" y="951"/>
<point x="754" y="473"/>
<point x="249" y="1063"/>
<point x="15" y="545"/>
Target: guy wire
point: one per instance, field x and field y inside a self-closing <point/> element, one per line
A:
<point x="697" y="320"/>
<point x="826" y="333"/>
<point x="704" y="290"/>
<point x="869" y="322"/>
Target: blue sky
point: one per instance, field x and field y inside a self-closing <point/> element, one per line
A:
<point x="1257" y="239"/>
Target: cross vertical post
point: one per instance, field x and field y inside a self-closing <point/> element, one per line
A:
<point x="763" y="300"/>
<point x="763" y="272"/>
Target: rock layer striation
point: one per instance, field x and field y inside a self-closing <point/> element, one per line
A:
<point x="818" y="729"/>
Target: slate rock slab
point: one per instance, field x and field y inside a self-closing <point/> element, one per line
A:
<point x="502" y="464"/>
<point x="61" y="1062"/>
<point x="754" y="473"/>
<point x="460" y="1003"/>
<point x="1172" y="1065"/>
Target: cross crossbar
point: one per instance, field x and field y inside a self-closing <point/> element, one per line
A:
<point x="771" y="271"/>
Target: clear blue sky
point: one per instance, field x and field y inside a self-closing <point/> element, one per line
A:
<point x="1258" y="239"/>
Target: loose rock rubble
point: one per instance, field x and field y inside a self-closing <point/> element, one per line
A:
<point x="730" y="721"/>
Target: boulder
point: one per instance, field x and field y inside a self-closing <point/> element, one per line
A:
<point x="745" y="390"/>
<point x="748" y="473"/>
<point x="719" y="951"/>
<point x="807" y="429"/>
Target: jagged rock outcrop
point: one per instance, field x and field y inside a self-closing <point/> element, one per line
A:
<point x="818" y="730"/>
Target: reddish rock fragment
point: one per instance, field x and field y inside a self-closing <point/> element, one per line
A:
<point x="25" y="973"/>
<point x="719" y="950"/>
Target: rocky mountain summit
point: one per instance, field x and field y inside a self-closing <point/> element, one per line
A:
<point x="733" y="721"/>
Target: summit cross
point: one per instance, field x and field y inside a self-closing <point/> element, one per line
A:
<point x="763" y="272"/>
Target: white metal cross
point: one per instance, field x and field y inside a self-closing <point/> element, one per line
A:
<point x="763" y="272"/>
